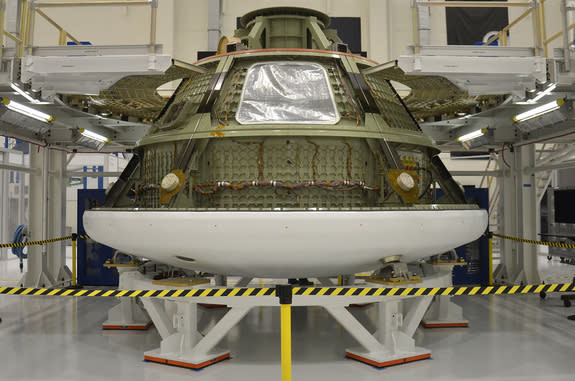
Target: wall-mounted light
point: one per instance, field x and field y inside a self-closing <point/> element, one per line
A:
<point x="472" y="135"/>
<point x="93" y="135"/>
<point x="538" y="111"/>
<point x="28" y="111"/>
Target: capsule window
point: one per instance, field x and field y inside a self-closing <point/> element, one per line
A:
<point x="287" y="93"/>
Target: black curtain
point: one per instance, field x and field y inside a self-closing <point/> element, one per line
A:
<point x="468" y="26"/>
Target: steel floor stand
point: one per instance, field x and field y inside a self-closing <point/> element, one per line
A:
<point x="127" y="315"/>
<point x="443" y="313"/>
<point x="176" y="320"/>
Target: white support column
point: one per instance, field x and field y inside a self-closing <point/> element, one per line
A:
<point x="57" y="217"/>
<point x="4" y="191"/>
<point x="424" y="24"/>
<point x="529" y="216"/>
<point x="507" y="269"/>
<point x="519" y="260"/>
<point x="214" y="23"/>
<point x="38" y="274"/>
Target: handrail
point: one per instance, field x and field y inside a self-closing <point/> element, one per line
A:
<point x="503" y="32"/>
<point x="537" y="12"/>
<point x="12" y="37"/>
<point x="475" y="4"/>
<point x="558" y="34"/>
<point x="89" y="3"/>
<point x="29" y="9"/>
<point x="63" y="33"/>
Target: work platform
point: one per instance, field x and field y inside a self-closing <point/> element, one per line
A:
<point x="481" y="70"/>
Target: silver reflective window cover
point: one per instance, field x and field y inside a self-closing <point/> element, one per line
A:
<point x="287" y="93"/>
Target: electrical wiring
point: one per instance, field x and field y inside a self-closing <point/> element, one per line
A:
<point x="329" y="185"/>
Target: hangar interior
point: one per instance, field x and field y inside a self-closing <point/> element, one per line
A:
<point x="325" y="188"/>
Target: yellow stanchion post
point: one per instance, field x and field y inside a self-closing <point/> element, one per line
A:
<point x="284" y="293"/>
<point x="74" y="272"/>
<point x="490" y="259"/>
<point x="74" y="239"/>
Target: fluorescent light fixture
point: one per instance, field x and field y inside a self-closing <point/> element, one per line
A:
<point x="472" y="135"/>
<point x="545" y="92"/>
<point x="23" y="93"/>
<point x="94" y="136"/>
<point x="539" y="95"/>
<point x="538" y="111"/>
<point x="28" y="111"/>
<point x="26" y="95"/>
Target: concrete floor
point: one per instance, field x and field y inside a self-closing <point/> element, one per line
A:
<point x="510" y="338"/>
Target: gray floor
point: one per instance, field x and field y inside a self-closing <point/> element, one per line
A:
<point x="510" y="338"/>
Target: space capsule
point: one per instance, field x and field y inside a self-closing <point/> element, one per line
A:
<point x="285" y="156"/>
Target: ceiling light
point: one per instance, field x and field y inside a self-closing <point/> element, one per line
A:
<point x="22" y="92"/>
<point x="93" y="135"/>
<point x="26" y="95"/>
<point x="472" y="135"/>
<point x="28" y="111"/>
<point x="538" y="111"/>
<point x="545" y="92"/>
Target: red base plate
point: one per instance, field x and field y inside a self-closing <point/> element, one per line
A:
<point x="128" y="327"/>
<point x="444" y="325"/>
<point x="388" y="363"/>
<point x="187" y="364"/>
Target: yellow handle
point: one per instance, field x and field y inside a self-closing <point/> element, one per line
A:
<point x="286" y="341"/>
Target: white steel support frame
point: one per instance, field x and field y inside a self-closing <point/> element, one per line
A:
<point x="127" y="315"/>
<point x="176" y="320"/>
<point x="519" y="260"/>
<point x="443" y="312"/>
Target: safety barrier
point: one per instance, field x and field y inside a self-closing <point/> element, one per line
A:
<point x="42" y="242"/>
<point x="296" y="291"/>
<point x="534" y="242"/>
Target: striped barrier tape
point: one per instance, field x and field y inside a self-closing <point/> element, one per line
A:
<point x="43" y="242"/>
<point x="534" y="242"/>
<point x="304" y="291"/>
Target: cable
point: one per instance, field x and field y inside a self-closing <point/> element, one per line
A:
<point x="20" y="237"/>
<point x="503" y="156"/>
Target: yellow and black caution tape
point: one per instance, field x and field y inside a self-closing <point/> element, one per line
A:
<point x="43" y="242"/>
<point x="305" y="291"/>
<point x="534" y="242"/>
